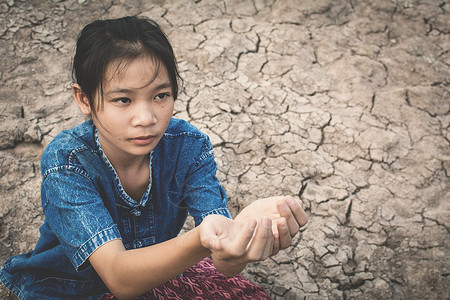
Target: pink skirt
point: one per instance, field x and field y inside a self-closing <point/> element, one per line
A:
<point x="203" y="281"/>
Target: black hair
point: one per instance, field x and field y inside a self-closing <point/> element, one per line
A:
<point x="119" y="40"/>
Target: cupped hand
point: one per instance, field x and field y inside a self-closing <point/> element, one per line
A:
<point x="237" y="243"/>
<point x="287" y="217"/>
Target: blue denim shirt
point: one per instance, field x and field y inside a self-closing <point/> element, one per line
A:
<point x="86" y="206"/>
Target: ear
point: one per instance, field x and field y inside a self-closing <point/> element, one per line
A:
<point x="81" y="99"/>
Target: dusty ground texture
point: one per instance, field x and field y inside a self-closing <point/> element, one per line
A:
<point x="342" y="102"/>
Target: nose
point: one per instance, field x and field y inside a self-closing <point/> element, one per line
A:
<point x="144" y="114"/>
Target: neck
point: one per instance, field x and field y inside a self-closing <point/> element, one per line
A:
<point x="124" y="161"/>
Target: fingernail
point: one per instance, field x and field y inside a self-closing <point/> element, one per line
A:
<point x="290" y="201"/>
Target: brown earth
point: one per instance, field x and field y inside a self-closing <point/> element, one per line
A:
<point x="343" y="102"/>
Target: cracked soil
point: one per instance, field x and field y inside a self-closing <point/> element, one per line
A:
<point x="344" y="103"/>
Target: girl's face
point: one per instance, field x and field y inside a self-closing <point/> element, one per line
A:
<point x="136" y="110"/>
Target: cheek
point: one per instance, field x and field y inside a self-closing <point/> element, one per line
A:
<point x="114" y="125"/>
<point x="168" y="110"/>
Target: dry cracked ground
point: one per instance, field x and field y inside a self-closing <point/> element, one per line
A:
<point x="344" y="103"/>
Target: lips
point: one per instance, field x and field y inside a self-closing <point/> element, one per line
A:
<point x="143" y="140"/>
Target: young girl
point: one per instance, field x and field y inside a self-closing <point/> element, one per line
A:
<point x="116" y="189"/>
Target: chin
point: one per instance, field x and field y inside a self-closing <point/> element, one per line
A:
<point x="143" y="151"/>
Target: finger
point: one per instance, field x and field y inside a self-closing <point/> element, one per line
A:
<point x="297" y="211"/>
<point x="242" y="240"/>
<point x="284" y="234"/>
<point x="276" y="238"/>
<point x="276" y="246"/>
<point x="258" y="246"/>
<point x="286" y="212"/>
<point x="275" y="227"/>
<point x="268" y="248"/>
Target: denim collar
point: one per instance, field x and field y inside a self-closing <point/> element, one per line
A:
<point x="123" y="194"/>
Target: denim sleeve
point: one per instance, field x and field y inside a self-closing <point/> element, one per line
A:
<point x="76" y="214"/>
<point x="203" y="193"/>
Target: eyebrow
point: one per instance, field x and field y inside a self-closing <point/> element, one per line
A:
<point x="126" y="90"/>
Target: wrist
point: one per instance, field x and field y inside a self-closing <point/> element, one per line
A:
<point x="228" y="269"/>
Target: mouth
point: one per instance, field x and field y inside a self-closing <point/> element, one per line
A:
<point x="143" y="140"/>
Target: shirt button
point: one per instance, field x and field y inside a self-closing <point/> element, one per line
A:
<point x="137" y="213"/>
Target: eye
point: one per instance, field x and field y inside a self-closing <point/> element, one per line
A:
<point x="162" y="96"/>
<point x="122" y="100"/>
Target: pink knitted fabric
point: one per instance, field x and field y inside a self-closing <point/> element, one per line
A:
<point x="203" y="281"/>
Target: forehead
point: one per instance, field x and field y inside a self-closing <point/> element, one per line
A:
<point x="135" y="73"/>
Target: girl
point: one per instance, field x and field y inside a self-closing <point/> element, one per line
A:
<point x="116" y="189"/>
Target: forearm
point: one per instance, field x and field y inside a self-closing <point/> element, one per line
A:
<point x="134" y="272"/>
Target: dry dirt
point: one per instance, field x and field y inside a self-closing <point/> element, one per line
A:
<point x="342" y="102"/>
